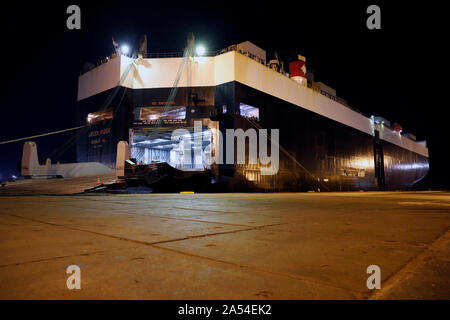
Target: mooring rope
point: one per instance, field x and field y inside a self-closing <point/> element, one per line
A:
<point x="43" y="134"/>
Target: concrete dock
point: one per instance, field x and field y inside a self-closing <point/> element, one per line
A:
<point x="226" y="246"/>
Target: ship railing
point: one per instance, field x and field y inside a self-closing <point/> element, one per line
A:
<point x="263" y="62"/>
<point x="245" y="53"/>
<point x="228" y="49"/>
<point x="259" y="60"/>
<point x="163" y="55"/>
<point x="334" y="98"/>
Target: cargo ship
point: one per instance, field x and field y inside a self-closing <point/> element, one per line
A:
<point x="324" y="144"/>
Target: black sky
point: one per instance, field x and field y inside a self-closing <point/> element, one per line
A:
<point x="392" y="72"/>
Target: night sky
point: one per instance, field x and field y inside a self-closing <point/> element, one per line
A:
<point x="393" y="72"/>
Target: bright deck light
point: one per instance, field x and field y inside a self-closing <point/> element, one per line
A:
<point x="200" y="50"/>
<point x="124" y="49"/>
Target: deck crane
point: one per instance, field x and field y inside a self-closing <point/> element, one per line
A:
<point x="187" y="59"/>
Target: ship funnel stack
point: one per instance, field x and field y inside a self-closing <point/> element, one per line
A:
<point x="297" y="70"/>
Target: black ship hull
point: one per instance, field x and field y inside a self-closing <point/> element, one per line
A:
<point x="319" y="153"/>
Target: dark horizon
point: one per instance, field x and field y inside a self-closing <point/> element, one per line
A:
<point x="387" y="72"/>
